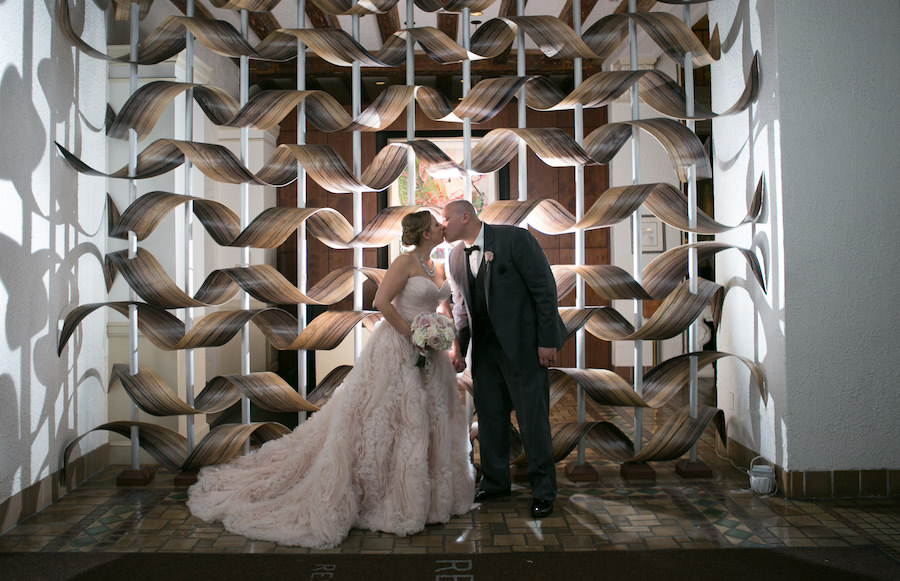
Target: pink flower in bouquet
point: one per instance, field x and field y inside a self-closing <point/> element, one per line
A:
<point x="431" y="331"/>
<point x="488" y="256"/>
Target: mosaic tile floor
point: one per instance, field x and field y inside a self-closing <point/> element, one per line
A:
<point x="608" y="514"/>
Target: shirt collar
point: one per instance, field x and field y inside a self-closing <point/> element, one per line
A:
<point x="479" y="240"/>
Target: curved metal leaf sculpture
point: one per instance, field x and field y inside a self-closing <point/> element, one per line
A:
<point x="661" y="276"/>
<point x="167" y="331"/>
<point x="674" y="315"/>
<point x="225" y="441"/>
<point x="665" y="201"/>
<point x="660" y="384"/>
<point x="604" y="437"/>
<point x="166" y="446"/>
<point x="266" y="390"/>
<point x="261" y="281"/>
<point x="268" y="230"/>
<point x="484" y="101"/>
<point x="551" y="35"/>
<point x="552" y="145"/>
<point x="680" y="433"/>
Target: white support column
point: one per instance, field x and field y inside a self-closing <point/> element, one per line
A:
<point x="636" y="232"/>
<point x="520" y="71"/>
<point x="467" y="121"/>
<point x="693" y="274"/>
<point x="245" y="219"/>
<point x="357" y="196"/>
<point x="302" y="280"/>
<point x="411" y="107"/>
<point x="580" y="471"/>
<point x="132" y="237"/>
<point x="188" y="227"/>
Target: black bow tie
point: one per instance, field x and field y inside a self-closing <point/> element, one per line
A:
<point x="471" y="249"/>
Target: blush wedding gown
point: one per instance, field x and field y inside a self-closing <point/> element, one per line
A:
<point x="388" y="452"/>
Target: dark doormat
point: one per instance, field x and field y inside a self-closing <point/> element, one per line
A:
<point x="819" y="564"/>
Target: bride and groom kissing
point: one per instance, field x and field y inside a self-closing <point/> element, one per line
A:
<point x="390" y="450"/>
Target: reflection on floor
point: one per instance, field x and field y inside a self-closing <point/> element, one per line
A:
<point x="608" y="514"/>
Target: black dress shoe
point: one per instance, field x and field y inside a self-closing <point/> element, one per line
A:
<point x="541" y="508"/>
<point x="483" y="495"/>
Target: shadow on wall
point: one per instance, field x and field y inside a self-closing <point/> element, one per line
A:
<point x="42" y="243"/>
<point x="760" y="421"/>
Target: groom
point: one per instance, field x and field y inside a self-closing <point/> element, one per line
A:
<point x="504" y="300"/>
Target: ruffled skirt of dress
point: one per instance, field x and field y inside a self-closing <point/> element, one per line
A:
<point x="388" y="452"/>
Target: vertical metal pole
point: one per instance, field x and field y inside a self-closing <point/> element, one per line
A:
<point x="411" y="107"/>
<point x="693" y="274"/>
<point x="580" y="343"/>
<point x="189" y="226"/>
<point x="467" y="121"/>
<point x="357" y="196"/>
<point x="302" y="280"/>
<point x="132" y="237"/>
<point x="636" y="233"/>
<point x="520" y="71"/>
<point x="245" y="219"/>
<point x="467" y="156"/>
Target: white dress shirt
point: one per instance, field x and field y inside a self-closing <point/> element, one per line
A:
<point x="476" y="255"/>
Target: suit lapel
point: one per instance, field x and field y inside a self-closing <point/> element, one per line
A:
<point x="488" y="247"/>
<point x="459" y="270"/>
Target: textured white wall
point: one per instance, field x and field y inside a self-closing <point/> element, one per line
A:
<point x="824" y="134"/>
<point x="52" y="240"/>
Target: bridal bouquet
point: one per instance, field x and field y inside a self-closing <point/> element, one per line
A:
<point x="431" y="331"/>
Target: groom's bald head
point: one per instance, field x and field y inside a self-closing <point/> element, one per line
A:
<point x="460" y="221"/>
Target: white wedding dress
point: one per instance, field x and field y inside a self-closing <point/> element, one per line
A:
<point x="388" y="452"/>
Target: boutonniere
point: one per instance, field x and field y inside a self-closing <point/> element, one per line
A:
<point x="488" y="256"/>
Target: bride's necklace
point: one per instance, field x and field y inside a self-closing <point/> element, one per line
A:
<point x="430" y="273"/>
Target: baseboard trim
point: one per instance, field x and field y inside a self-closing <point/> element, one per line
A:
<point x="798" y="484"/>
<point x="43" y="493"/>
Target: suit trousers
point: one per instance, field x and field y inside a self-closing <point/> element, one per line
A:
<point x="498" y="389"/>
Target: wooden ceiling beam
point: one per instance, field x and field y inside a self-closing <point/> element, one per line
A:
<point x="640" y="6"/>
<point x="388" y="23"/>
<point x="586" y="7"/>
<point x="199" y="9"/>
<point x="319" y="18"/>
<point x="448" y="23"/>
<point x="508" y="8"/>
<point x="263" y="24"/>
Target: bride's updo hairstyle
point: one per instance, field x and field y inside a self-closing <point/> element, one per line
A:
<point x="413" y="227"/>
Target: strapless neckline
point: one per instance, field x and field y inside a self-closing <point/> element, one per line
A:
<point x="429" y="281"/>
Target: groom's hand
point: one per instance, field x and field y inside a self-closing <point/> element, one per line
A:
<point x="547" y="356"/>
<point x="459" y="363"/>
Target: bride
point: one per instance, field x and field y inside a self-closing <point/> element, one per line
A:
<point x="388" y="452"/>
